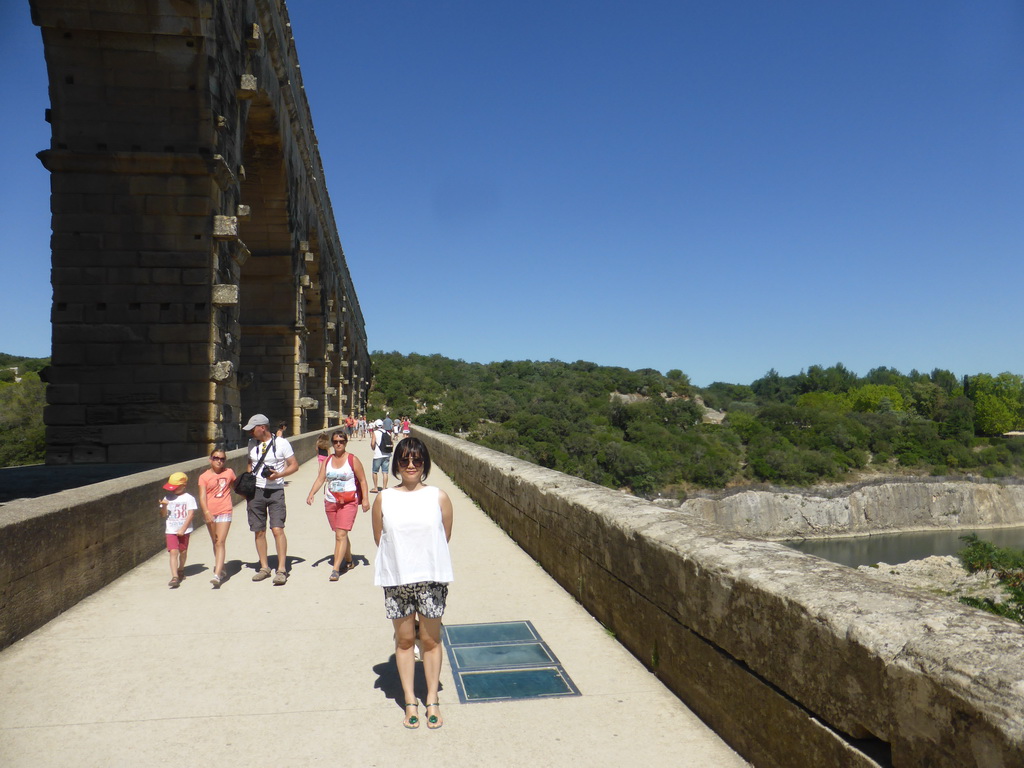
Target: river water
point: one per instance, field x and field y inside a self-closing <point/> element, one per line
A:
<point x="893" y="548"/>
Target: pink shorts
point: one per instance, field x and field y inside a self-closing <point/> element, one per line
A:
<point x="341" y="515"/>
<point x="320" y="458"/>
<point x="174" y="541"/>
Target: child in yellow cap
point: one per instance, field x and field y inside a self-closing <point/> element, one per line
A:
<point x="177" y="508"/>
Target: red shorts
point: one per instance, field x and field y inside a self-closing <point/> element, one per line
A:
<point x="174" y="541"/>
<point x="341" y="515"/>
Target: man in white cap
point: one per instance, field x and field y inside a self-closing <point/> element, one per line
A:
<point x="268" y="503"/>
<point x="380" y="441"/>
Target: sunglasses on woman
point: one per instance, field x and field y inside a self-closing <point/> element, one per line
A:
<point x="411" y="461"/>
<point x="339" y="442"/>
<point x="218" y="458"/>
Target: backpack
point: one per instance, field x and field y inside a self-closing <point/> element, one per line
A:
<point x="385" y="443"/>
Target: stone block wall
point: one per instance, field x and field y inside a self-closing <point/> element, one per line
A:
<point x="56" y="550"/>
<point x="795" y="661"/>
<point x="194" y="246"/>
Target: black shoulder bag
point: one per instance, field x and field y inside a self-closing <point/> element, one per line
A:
<point x="245" y="485"/>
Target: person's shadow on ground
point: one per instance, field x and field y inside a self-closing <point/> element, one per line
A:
<point x="290" y="563"/>
<point x="231" y="568"/>
<point x="357" y="560"/>
<point x="391" y="685"/>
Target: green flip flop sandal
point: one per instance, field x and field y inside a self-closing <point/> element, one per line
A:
<point x="412" y="722"/>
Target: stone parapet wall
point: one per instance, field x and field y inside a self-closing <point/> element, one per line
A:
<point x="877" y="508"/>
<point x="56" y="550"/>
<point x="795" y="661"/>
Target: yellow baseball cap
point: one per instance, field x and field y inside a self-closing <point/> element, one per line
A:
<point x="176" y="480"/>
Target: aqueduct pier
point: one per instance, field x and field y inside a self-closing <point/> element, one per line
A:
<point x="198" y="275"/>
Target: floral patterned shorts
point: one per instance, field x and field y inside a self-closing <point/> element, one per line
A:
<point x="427" y="598"/>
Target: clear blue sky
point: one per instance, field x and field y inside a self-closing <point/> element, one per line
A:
<point x="720" y="187"/>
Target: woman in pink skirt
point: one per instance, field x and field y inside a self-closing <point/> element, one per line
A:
<point x="345" y="479"/>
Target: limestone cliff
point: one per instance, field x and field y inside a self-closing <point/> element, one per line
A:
<point x="871" y="508"/>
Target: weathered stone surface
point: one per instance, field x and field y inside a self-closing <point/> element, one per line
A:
<point x="939" y="575"/>
<point x="884" y="506"/>
<point x="788" y="656"/>
<point x="183" y="216"/>
<point x="221" y="371"/>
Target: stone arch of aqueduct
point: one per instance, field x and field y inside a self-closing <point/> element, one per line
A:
<point x="198" y="275"/>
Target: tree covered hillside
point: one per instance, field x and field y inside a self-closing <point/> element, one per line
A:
<point x="648" y="432"/>
<point x="22" y="397"/>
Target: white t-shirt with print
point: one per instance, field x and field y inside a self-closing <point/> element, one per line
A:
<point x="178" y="508"/>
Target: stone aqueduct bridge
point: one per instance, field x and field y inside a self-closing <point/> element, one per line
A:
<point x="197" y="275"/>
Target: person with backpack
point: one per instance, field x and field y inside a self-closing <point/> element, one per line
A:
<point x="382" y="445"/>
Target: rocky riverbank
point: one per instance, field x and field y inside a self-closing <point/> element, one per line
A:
<point x="943" y="576"/>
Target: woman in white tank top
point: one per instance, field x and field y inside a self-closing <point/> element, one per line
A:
<point x="412" y="524"/>
<point x="345" y="481"/>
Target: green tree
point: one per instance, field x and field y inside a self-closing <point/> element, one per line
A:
<point x="719" y="395"/>
<point x="945" y="380"/>
<point x="876" y="398"/>
<point x="679" y="382"/>
<point x="998" y="402"/>
<point x="956" y="419"/>
<point x="825" y="401"/>
<point x="836" y="378"/>
<point x="22" y="434"/>
<point x="992" y="415"/>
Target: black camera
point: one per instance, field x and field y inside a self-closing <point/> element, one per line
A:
<point x="266" y="472"/>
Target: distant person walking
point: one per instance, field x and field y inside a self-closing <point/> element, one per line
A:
<point x="346" y="490"/>
<point x="382" y="445"/>
<point x="268" y="505"/>
<point x="388" y="424"/>
<point x="406" y="426"/>
<point x="323" y="447"/>
<point x="215" y="486"/>
<point x="177" y="508"/>
<point x="412" y="525"/>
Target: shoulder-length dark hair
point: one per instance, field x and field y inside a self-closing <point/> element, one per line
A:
<point x="410" y="447"/>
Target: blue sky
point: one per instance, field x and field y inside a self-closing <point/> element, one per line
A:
<point x="719" y="187"/>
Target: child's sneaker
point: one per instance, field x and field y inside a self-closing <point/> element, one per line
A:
<point x="280" y="578"/>
<point x="216" y="581"/>
<point x="174" y="583"/>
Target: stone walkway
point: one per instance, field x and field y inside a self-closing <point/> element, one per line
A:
<point x="303" y="674"/>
